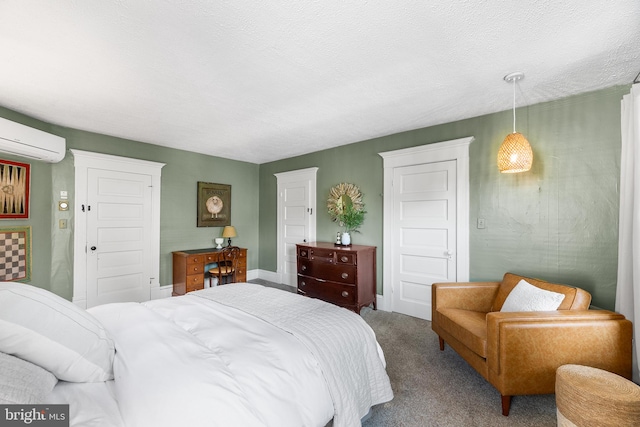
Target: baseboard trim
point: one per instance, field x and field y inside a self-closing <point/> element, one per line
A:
<point x="382" y="303"/>
<point x="158" y="292"/>
<point x="271" y="276"/>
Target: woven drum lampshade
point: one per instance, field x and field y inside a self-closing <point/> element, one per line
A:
<point x="515" y="154"/>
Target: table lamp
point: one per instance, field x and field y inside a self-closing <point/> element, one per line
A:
<point x="229" y="232"/>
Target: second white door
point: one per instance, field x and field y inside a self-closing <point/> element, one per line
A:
<point x="424" y="239"/>
<point x="296" y="218"/>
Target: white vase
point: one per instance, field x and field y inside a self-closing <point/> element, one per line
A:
<point x="346" y="239"/>
<point x="219" y="241"/>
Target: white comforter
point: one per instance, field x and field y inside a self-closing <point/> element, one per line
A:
<point x="193" y="361"/>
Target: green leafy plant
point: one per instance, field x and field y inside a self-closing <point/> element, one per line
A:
<point x="351" y="218"/>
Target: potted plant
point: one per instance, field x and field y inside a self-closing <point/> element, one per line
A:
<point x="346" y="208"/>
<point x="351" y="219"/>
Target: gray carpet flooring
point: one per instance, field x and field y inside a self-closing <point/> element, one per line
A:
<point x="434" y="388"/>
<point x="438" y="388"/>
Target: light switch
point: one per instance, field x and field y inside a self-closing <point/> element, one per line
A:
<point x="481" y="223"/>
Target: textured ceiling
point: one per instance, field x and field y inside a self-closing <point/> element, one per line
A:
<point x="261" y="81"/>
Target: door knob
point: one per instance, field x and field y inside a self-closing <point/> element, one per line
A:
<point x="93" y="248"/>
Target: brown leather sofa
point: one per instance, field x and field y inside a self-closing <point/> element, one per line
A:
<point x="519" y="352"/>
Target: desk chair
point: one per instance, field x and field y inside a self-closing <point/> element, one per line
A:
<point x="225" y="271"/>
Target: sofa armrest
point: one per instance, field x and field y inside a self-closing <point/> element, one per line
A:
<point x="535" y="344"/>
<point x="473" y="296"/>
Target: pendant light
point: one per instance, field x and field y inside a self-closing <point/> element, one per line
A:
<point x="515" y="154"/>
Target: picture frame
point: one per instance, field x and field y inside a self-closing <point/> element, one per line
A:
<point x="15" y="184"/>
<point x="214" y="204"/>
<point x="15" y="254"/>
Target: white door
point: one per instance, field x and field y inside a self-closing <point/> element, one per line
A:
<point x="118" y="237"/>
<point x="296" y="218"/>
<point x="424" y="217"/>
<point x="116" y="245"/>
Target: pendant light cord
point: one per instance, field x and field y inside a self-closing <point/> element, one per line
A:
<point x="514" y="105"/>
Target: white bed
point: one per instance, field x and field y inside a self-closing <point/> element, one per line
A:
<point x="240" y="354"/>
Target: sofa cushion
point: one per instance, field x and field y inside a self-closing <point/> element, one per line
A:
<point x="510" y="281"/>
<point x="526" y="297"/>
<point x="468" y="327"/>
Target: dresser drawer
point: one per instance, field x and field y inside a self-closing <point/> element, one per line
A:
<point x="321" y="253"/>
<point x="311" y="253"/>
<point x="195" y="259"/>
<point x="194" y="269"/>
<point x="303" y="252"/>
<point x="195" y="282"/>
<point x="330" y="272"/>
<point x="345" y="258"/>
<point x="328" y="291"/>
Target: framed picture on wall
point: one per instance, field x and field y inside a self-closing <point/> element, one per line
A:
<point x="15" y="254"/>
<point x="14" y="189"/>
<point x="214" y="204"/>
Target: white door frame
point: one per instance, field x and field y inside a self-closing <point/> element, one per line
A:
<point x="293" y="176"/>
<point x="458" y="150"/>
<point x="84" y="160"/>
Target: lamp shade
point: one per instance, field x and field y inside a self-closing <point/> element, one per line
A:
<point x="229" y="231"/>
<point x="515" y="154"/>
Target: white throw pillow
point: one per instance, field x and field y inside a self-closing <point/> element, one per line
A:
<point x="51" y="332"/>
<point x="526" y="297"/>
<point x="22" y="382"/>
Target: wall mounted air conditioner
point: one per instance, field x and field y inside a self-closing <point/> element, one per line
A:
<point x="24" y="141"/>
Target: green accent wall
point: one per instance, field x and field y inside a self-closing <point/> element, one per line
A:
<point x="53" y="247"/>
<point x="558" y="222"/>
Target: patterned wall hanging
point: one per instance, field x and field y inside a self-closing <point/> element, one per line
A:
<point x="14" y="189"/>
<point x="15" y="254"/>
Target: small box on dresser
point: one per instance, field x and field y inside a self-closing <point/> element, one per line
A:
<point x="342" y="275"/>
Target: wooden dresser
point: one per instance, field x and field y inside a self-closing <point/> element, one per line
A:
<point x="189" y="272"/>
<point x="342" y="275"/>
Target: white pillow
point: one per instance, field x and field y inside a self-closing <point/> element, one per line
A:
<point x="526" y="297"/>
<point x="51" y="332"/>
<point x="22" y="382"/>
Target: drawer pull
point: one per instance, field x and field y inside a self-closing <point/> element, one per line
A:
<point x="344" y="259"/>
<point x="303" y="253"/>
<point x="196" y="260"/>
<point x="303" y="268"/>
<point x="345" y="275"/>
<point x="303" y="283"/>
<point x="345" y="294"/>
